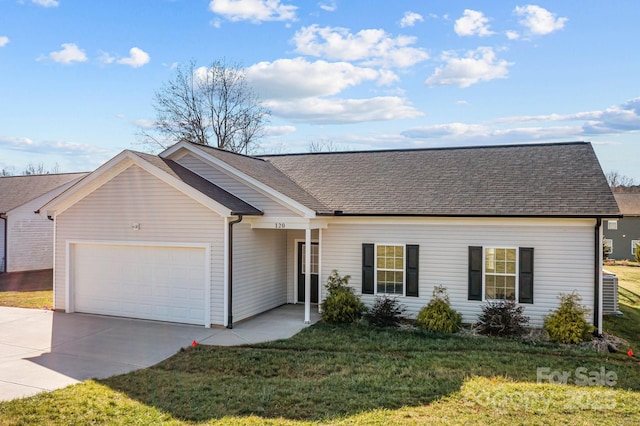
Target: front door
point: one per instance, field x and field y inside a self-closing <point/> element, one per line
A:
<point x="302" y="269"/>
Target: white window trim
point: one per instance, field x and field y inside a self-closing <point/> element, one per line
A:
<point x="484" y="272"/>
<point x="404" y="270"/>
<point x="609" y="242"/>
<point x="633" y="246"/>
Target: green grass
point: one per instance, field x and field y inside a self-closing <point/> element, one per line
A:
<point x="27" y="299"/>
<point x="359" y="375"/>
<point x="628" y="325"/>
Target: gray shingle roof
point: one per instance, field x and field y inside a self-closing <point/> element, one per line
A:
<point x="230" y="201"/>
<point x="552" y="180"/>
<point x="18" y="190"/>
<point x="629" y="203"/>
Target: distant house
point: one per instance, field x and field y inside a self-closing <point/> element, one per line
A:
<point x="26" y="239"/>
<point x="203" y="236"/>
<point x="622" y="235"/>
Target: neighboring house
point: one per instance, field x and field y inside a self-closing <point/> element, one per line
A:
<point x="622" y="235"/>
<point x="204" y="236"/>
<point x="26" y="239"/>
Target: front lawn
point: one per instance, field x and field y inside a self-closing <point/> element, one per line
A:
<point x="350" y="374"/>
<point x="27" y="299"/>
<point x="361" y="375"/>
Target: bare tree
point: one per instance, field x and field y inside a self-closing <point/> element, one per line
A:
<point x="618" y="182"/>
<point x="6" y="171"/>
<point x="41" y="169"/>
<point x="208" y="105"/>
<point x="325" y="145"/>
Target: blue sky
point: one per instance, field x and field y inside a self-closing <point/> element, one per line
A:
<point x="77" y="78"/>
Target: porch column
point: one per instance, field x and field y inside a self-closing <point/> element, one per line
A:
<point x="307" y="276"/>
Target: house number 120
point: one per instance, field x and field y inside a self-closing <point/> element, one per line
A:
<point x="280" y="225"/>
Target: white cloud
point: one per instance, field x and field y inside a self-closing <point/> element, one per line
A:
<point x="298" y="78"/>
<point x="70" y="53"/>
<point x="472" y="23"/>
<point x="46" y="3"/>
<point x="477" y="66"/>
<point x="253" y="10"/>
<point x="370" y="46"/>
<point x="482" y="134"/>
<point x="137" y="58"/>
<point x="300" y="91"/>
<point x="143" y="123"/>
<point x="27" y="145"/>
<point x="4" y="40"/>
<point x="278" y="130"/>
<point x="340" y="111"/>
<point x="539" y="21"/>
<point x="328" y="5"/>
<point x="410" y="18"/>
<point x="512" y="35"/>
<point x="105" y="58"/>
<point x="615" y="120"/>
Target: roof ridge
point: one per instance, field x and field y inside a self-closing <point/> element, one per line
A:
<point x="250" y="157"/>
<point x="444" y="148"/>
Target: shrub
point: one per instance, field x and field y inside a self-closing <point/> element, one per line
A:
<point x="385" y="312"/>
<point x="341" y="306"/>
<point x="502" y="318"/>
<point x="567" y="324"/>
<point x="438" y="315"/>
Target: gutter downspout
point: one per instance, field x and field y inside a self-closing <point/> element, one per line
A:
<point x="597" y="266"/>
<point x="230" y="274"/>
<point x="6" y="227"/>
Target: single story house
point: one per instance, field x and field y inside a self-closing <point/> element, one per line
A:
<point x="623" y="235"/>
<point x="204" y="236"/>
<point x="26" y="239"/>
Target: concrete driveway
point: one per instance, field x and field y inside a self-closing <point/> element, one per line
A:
<point x="44" y="350"/>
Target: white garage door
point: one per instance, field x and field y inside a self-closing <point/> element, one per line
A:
<point x="149" y="282"/>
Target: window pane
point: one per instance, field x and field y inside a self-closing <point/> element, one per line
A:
<point x="511" y="268"/>
<point x="511" y="255"/>
<point x="500" y="255"/>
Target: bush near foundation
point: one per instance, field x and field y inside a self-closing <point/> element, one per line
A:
<point x="438" y="315"/>
<point x="568" y="324"/>
<point x="341" y="306"/>
<point x="502" y="318"/>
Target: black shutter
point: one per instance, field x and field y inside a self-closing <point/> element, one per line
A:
<point x="368" y="268"/>
<point x="475" y="273"/>
<point x="526" y="275"/>
<point x="412" y="270"/>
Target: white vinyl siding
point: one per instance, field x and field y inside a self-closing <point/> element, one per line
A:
<point x="563" y="256"/>
<point x="234" y="186"/>
<point x="164" y="214"/>
<point x="30" y="235"/>
<point x="2" y="237"/>
<point x="259" y="270"/>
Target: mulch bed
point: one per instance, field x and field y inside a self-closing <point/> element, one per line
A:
<point x="27" y="281"/>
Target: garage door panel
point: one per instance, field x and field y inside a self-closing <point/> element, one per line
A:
<point x="150" y="282"/>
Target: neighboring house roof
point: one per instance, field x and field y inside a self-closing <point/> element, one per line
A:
<point x="18" y="190"/>
<point x="559" y="180"/>
<point x="629" y="204"/>
<point x="230" y="201"/>
<point x="265" y="172"/>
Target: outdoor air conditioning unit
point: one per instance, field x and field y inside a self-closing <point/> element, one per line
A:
<point x="610" y="294"/>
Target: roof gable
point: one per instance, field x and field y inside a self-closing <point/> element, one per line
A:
<point x="258" y="173"/>
<point x="563" y="179"/>
<point x="16" y="191"/>
<point x="169" y="171"/>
